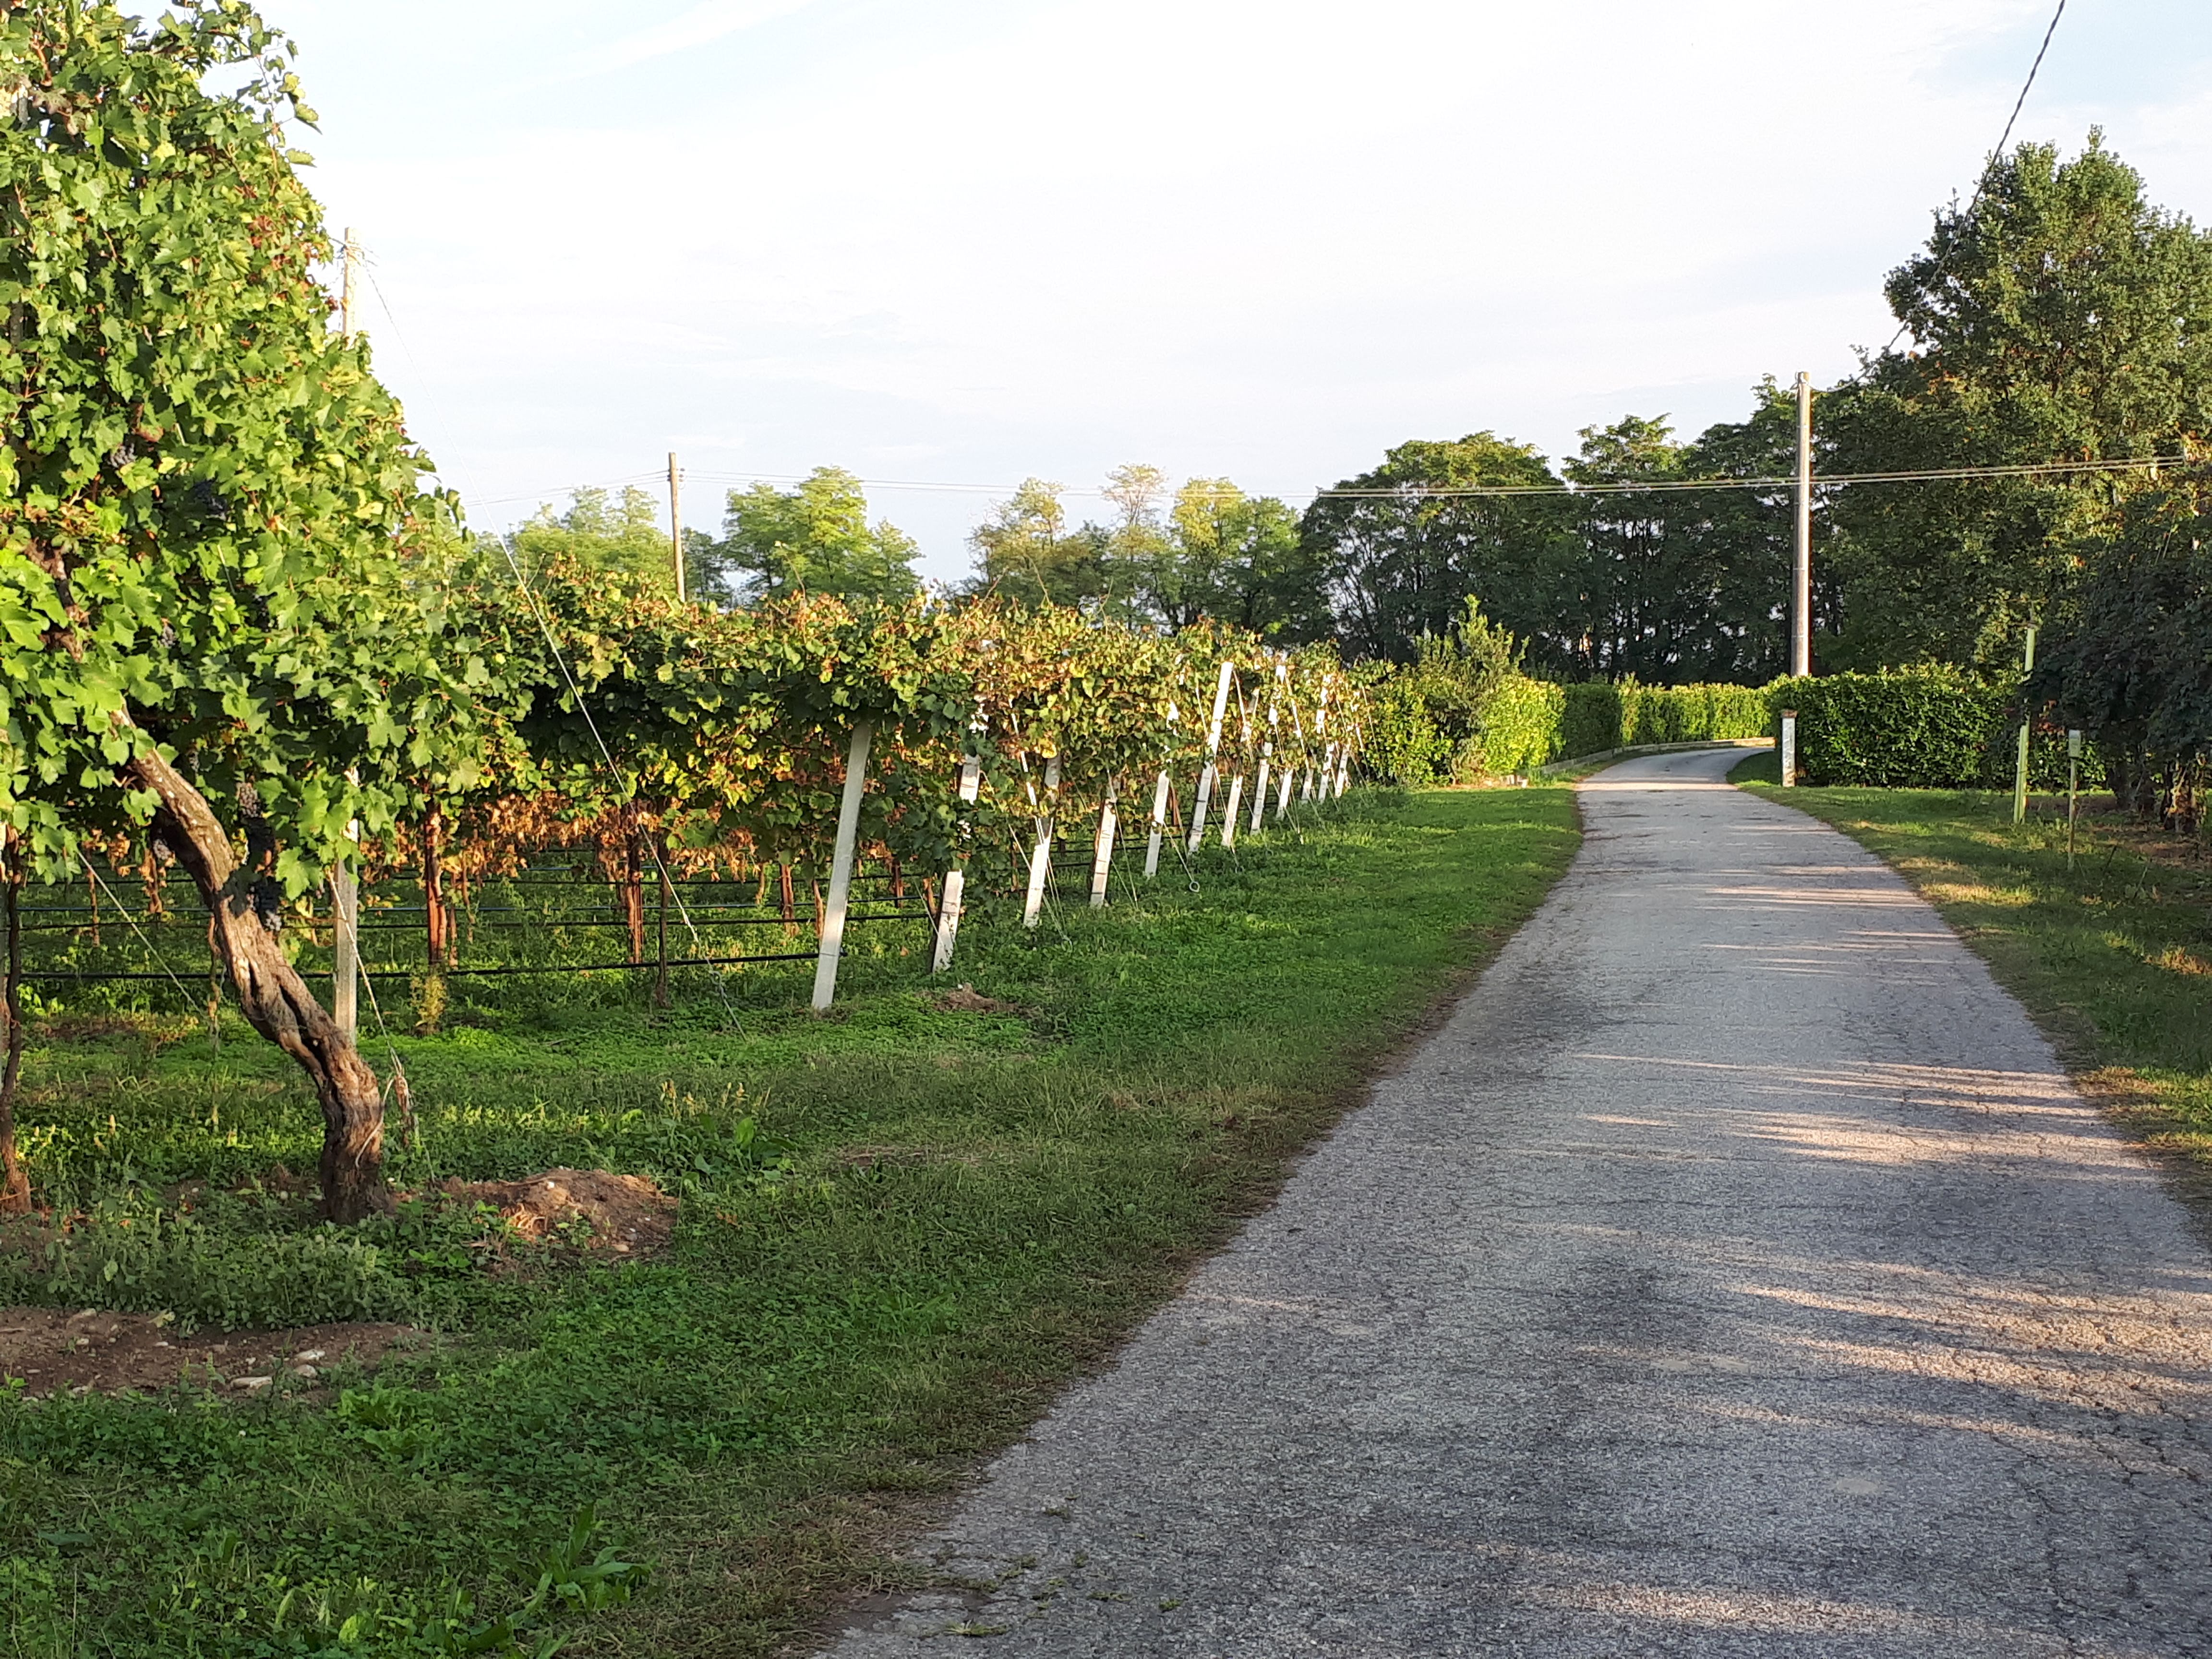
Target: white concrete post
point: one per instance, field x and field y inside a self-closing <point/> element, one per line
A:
<point x="345" y="931"/>
<point x="1229" y="813"/>
<point x="1321" y="732"/>
<point x="841" y="868"/>
<point x="1159" y="825"/>
<point x="1789" y="748"/>
<point x="1101" y="856"/>
<point x="1259" y="787"/>
<point x="1041" y="855"/>
<point x="956" y="879"/>
<point x="345" y="906"/>
<point x="1212" y="749"/>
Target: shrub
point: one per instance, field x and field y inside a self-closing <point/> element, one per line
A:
<point x="1520" y="729"/>
<point x="1930" y="727"/>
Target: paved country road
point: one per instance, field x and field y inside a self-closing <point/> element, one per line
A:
<point x="1734" y="1273"/>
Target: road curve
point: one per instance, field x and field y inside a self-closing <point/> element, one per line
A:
<point x="1734" y="1273"/>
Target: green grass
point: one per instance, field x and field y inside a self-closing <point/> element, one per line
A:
<point x="2113" y="956"/>
<point x="964" y="1211"/>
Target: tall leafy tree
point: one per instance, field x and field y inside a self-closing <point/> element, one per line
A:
<point x="2059" y="316"/>
<point x="1026" y="552"/>
<point x="813" y="538"/>
<point x="216" y="622"/>
<point x="1242" y="560"/>
<point x="625" y="534"/>
<point x="1403" y="561"/>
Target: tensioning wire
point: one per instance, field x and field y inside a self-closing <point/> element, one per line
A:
<point x="576" y="692"/>
<point x="1443" y="492"/>
<point x="606" y="755"/>
<point x="152" y="950"/>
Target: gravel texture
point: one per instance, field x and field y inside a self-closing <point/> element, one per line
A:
<point x="1736" y="1272"/>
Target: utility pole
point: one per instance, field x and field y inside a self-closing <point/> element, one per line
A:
<point x="1800" y="588"/>
<point x="2027" y="730"/>
<point x="345" y="886"/>
<point x="676" y="525"/>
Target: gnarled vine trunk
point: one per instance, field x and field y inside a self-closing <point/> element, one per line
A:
<point x="275" y="1000"/>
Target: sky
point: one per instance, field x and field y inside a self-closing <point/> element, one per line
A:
<point x="965" y="242"/>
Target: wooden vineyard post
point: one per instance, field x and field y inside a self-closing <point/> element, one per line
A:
<point x="1213" y="748"/>
<point x="1229" y="813"/>
<point x="1159" y="825"/>
<point x="1041" y="855"/>
<point x="660" y="974"/>
<point x="840" y="869"/>
<point x="1102" y="853"/>
<point x="956" y="879"/>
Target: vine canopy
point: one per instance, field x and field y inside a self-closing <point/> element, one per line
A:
<point x="214" y="538"/>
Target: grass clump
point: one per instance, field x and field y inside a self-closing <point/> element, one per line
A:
<point x="2111" y="953"/>
<point x="904" y="1228"/>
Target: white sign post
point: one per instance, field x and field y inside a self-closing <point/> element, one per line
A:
<point x="840" y="869"/>
<point x="2073" y="788"/>
<point x="1789" y="748"/>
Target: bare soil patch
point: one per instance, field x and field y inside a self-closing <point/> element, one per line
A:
<point x="616" y="1216"/>
<point x="55" y="1351"/>
<point x="967" y="999"/>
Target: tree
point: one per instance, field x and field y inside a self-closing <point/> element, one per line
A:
<point x="626" y="534"/>
<point x="215" y="625"/>
<point x="1240" y="560"/>
<point x="814" y="539"/>
<point x="1402" y="560"/>
<point x="2059" y="316"/>
<point x="1025" y="551"/>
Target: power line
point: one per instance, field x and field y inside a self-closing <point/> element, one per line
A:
<point x="2004" y="138"/>
<point x="2031" y="469"/>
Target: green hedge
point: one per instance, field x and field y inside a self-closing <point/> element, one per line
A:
<point x="1520" y="723"/>
<point x="1599" y="716"/>
<point x="1930" y="727"/>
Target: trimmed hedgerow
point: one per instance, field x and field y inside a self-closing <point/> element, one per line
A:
<point x="1930" y="727"/>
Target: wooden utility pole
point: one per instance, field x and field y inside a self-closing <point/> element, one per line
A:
<point x="1801" y="587"/>
<point x="676" y="525"/>
<point x="345" y="886"/>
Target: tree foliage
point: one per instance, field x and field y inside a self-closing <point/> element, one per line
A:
<point x="213" y="623"/>
<point x="813" y="538"/>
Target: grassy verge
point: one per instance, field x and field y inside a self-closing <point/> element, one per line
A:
<point x="2113" y="956"/>
<point x="942" y="1215"/>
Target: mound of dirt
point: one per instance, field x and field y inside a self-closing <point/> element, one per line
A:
<point x="627" y="1216"/>
<point x="967" y="999"/>
<point x="96" y="1351"/>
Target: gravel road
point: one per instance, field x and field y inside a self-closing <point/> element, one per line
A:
<point x="1734" y="1273"/>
